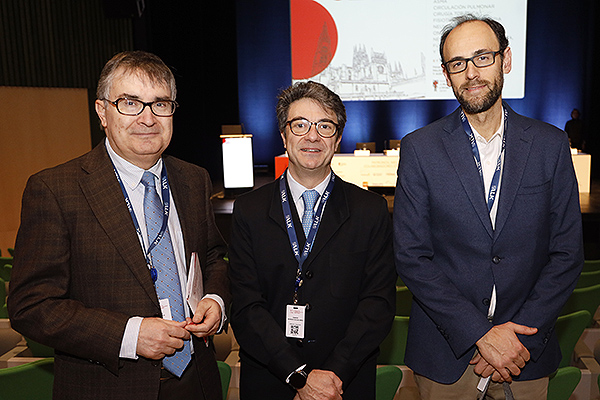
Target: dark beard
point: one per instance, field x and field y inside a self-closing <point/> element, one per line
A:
<point x="477" y="106"/>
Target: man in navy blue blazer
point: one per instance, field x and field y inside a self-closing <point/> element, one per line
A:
<point x="487" y="232"/>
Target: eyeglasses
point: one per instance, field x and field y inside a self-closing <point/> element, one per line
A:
<point x="480" y="60"/>
<point x="301" y="126"/>
<point x="131" y="107"/>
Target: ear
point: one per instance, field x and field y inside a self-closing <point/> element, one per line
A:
<point x="447" y="76"/>
<point x="283" y="138"/>
<point x="101" y="111"/>
<point x="507" y="62"/>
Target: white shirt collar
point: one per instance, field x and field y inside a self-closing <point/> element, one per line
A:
<point x="297" y="189"/>
<point x="131" y="174"/>
<point x="498" y="133"/>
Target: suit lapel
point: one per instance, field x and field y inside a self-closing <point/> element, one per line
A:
<point x="459" y="151"/>
<point x="104" y="195"/>
<point x="335" y="214"/>
<point x="179" y="187"/>
<point x="518" y="145"/>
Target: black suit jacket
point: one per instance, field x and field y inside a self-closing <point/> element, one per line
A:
<point x="79" y="274"/>
<point x="349" y="285"/>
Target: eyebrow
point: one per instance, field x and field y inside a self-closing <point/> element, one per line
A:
<point x="136" y="97"/>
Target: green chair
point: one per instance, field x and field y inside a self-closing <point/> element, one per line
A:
<point x="11" y="251"/>
<point x="591" y="265"/>
<point x="387" y="381"/>
<point x="225" y="372"/>
<point x="404" y="299"/>
<point x="568" y="330"/>
<point x="5" y="268"/>
<point x="38" y="349"/>
<point x="394" y="345"/>
<point x="587" y="279"/>
<point x="587" y="298"/>
<point x="563" y="382"/>
<point x="3" y="311"/>
<point x="31" y="381"/>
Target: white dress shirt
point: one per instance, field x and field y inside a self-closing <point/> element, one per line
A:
<point x="296" y="191"/>
<point x="131" y="176"/>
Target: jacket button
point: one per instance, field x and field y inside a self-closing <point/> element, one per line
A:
<point x="496" y="260"/>
<point x="486" y="302"/>
<point x="309" y="274"/>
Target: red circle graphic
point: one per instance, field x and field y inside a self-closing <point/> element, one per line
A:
<point x="314" y="38"/>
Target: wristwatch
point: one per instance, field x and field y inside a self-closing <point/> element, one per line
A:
<point x="297" y="379"/>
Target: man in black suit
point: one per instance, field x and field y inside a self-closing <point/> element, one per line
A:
<point x="313" y="282"/>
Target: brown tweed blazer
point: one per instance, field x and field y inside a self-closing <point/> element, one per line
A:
<point x="79" y="274"/>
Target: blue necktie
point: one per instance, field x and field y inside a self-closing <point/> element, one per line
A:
<point x="163" y="259"/>
<point x="310" y="198"/>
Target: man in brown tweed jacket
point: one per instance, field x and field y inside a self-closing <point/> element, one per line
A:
<point x="82" y="281"/>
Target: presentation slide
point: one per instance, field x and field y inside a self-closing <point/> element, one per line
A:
<point x="389" y="49"/>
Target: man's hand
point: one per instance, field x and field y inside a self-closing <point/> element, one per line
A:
<point x="207" y="318"/>
<point x="321" y="385"/>
<point x="502" y="350"/>
<point x="160" y="337"/>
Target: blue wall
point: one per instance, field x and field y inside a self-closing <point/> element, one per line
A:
<point x="559" y="63"/>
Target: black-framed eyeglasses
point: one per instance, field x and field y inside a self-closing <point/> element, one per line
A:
<point x="132" y="107"/>
<point x="480" y="60"/>
<point x="301" y="126"/>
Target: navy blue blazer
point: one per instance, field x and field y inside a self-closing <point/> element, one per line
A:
<point x="450" y="257"/>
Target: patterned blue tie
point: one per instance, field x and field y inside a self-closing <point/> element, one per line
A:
<point x="310" y="198"/>
<point x="163" y="258"/>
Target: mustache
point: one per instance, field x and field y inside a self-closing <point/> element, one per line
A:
<point x="474" y="83"/>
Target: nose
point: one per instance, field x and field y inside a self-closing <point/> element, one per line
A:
<point x="312" y="133"/>
<point x="472" y="71"/>
<point x="146" y="117"/>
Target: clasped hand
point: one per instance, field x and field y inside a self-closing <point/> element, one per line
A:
<point x="160" y="337"/>
<point x="321" y="385"/>
<point x="501" y="354"/>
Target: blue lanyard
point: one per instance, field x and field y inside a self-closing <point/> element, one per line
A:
<point x="291" y="231"/>
<point x="166" y="203"/>
<point x="496" y="177"/>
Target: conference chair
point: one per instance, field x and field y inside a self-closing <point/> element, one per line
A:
<point x="404" y="301"/>
<point x="5" y="268"/>
<point x="3" y="311"/>
<point x="568" y="330"/>
<point x="563" y="382"/>
<point x="587" y="298"/>
<point x="591" y="265"/>
<point x="387" y="382"/>
<point x="587" y="279"/>
<point x="225" y="373"/>
<point x="38" y="349"/>
<point x="31" y="381"/>
<point x="11" y="251"/>
<point x="393" y="347"/>
<point x="366" y="146"/>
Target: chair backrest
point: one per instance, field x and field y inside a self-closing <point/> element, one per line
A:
<point x="587" y="279"/>
<point x="6" y="272"/>
<point x="394" y="346"/>
<point x="387" y="381"/>
<point x="591" y="265"/>
<point x="587" y="298"/>
<point x="366" y="146"/>
<point x="404" y="300"/>
<point x="563" y="382"/>
<point x="568" y="330"/>
<point x="38" y="349"/>
<point x="31" y="381"/>
<point x="11" y="251"/>
<point x="225" y="373"/>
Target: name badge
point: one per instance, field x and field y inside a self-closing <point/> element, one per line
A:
<point x="295" y="321"/>
<point x="165" y="309"/>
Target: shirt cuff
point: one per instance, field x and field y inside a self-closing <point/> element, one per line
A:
<point x="130" y="338"/>
<point x="219" y="300"/>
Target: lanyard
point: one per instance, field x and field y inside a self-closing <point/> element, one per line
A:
<point x="496" y="177"/>
<point x="291" y="231"/>
<point x="166" y="203"/>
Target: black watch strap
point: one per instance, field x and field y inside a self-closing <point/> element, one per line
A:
<point x="297" y="380"/>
